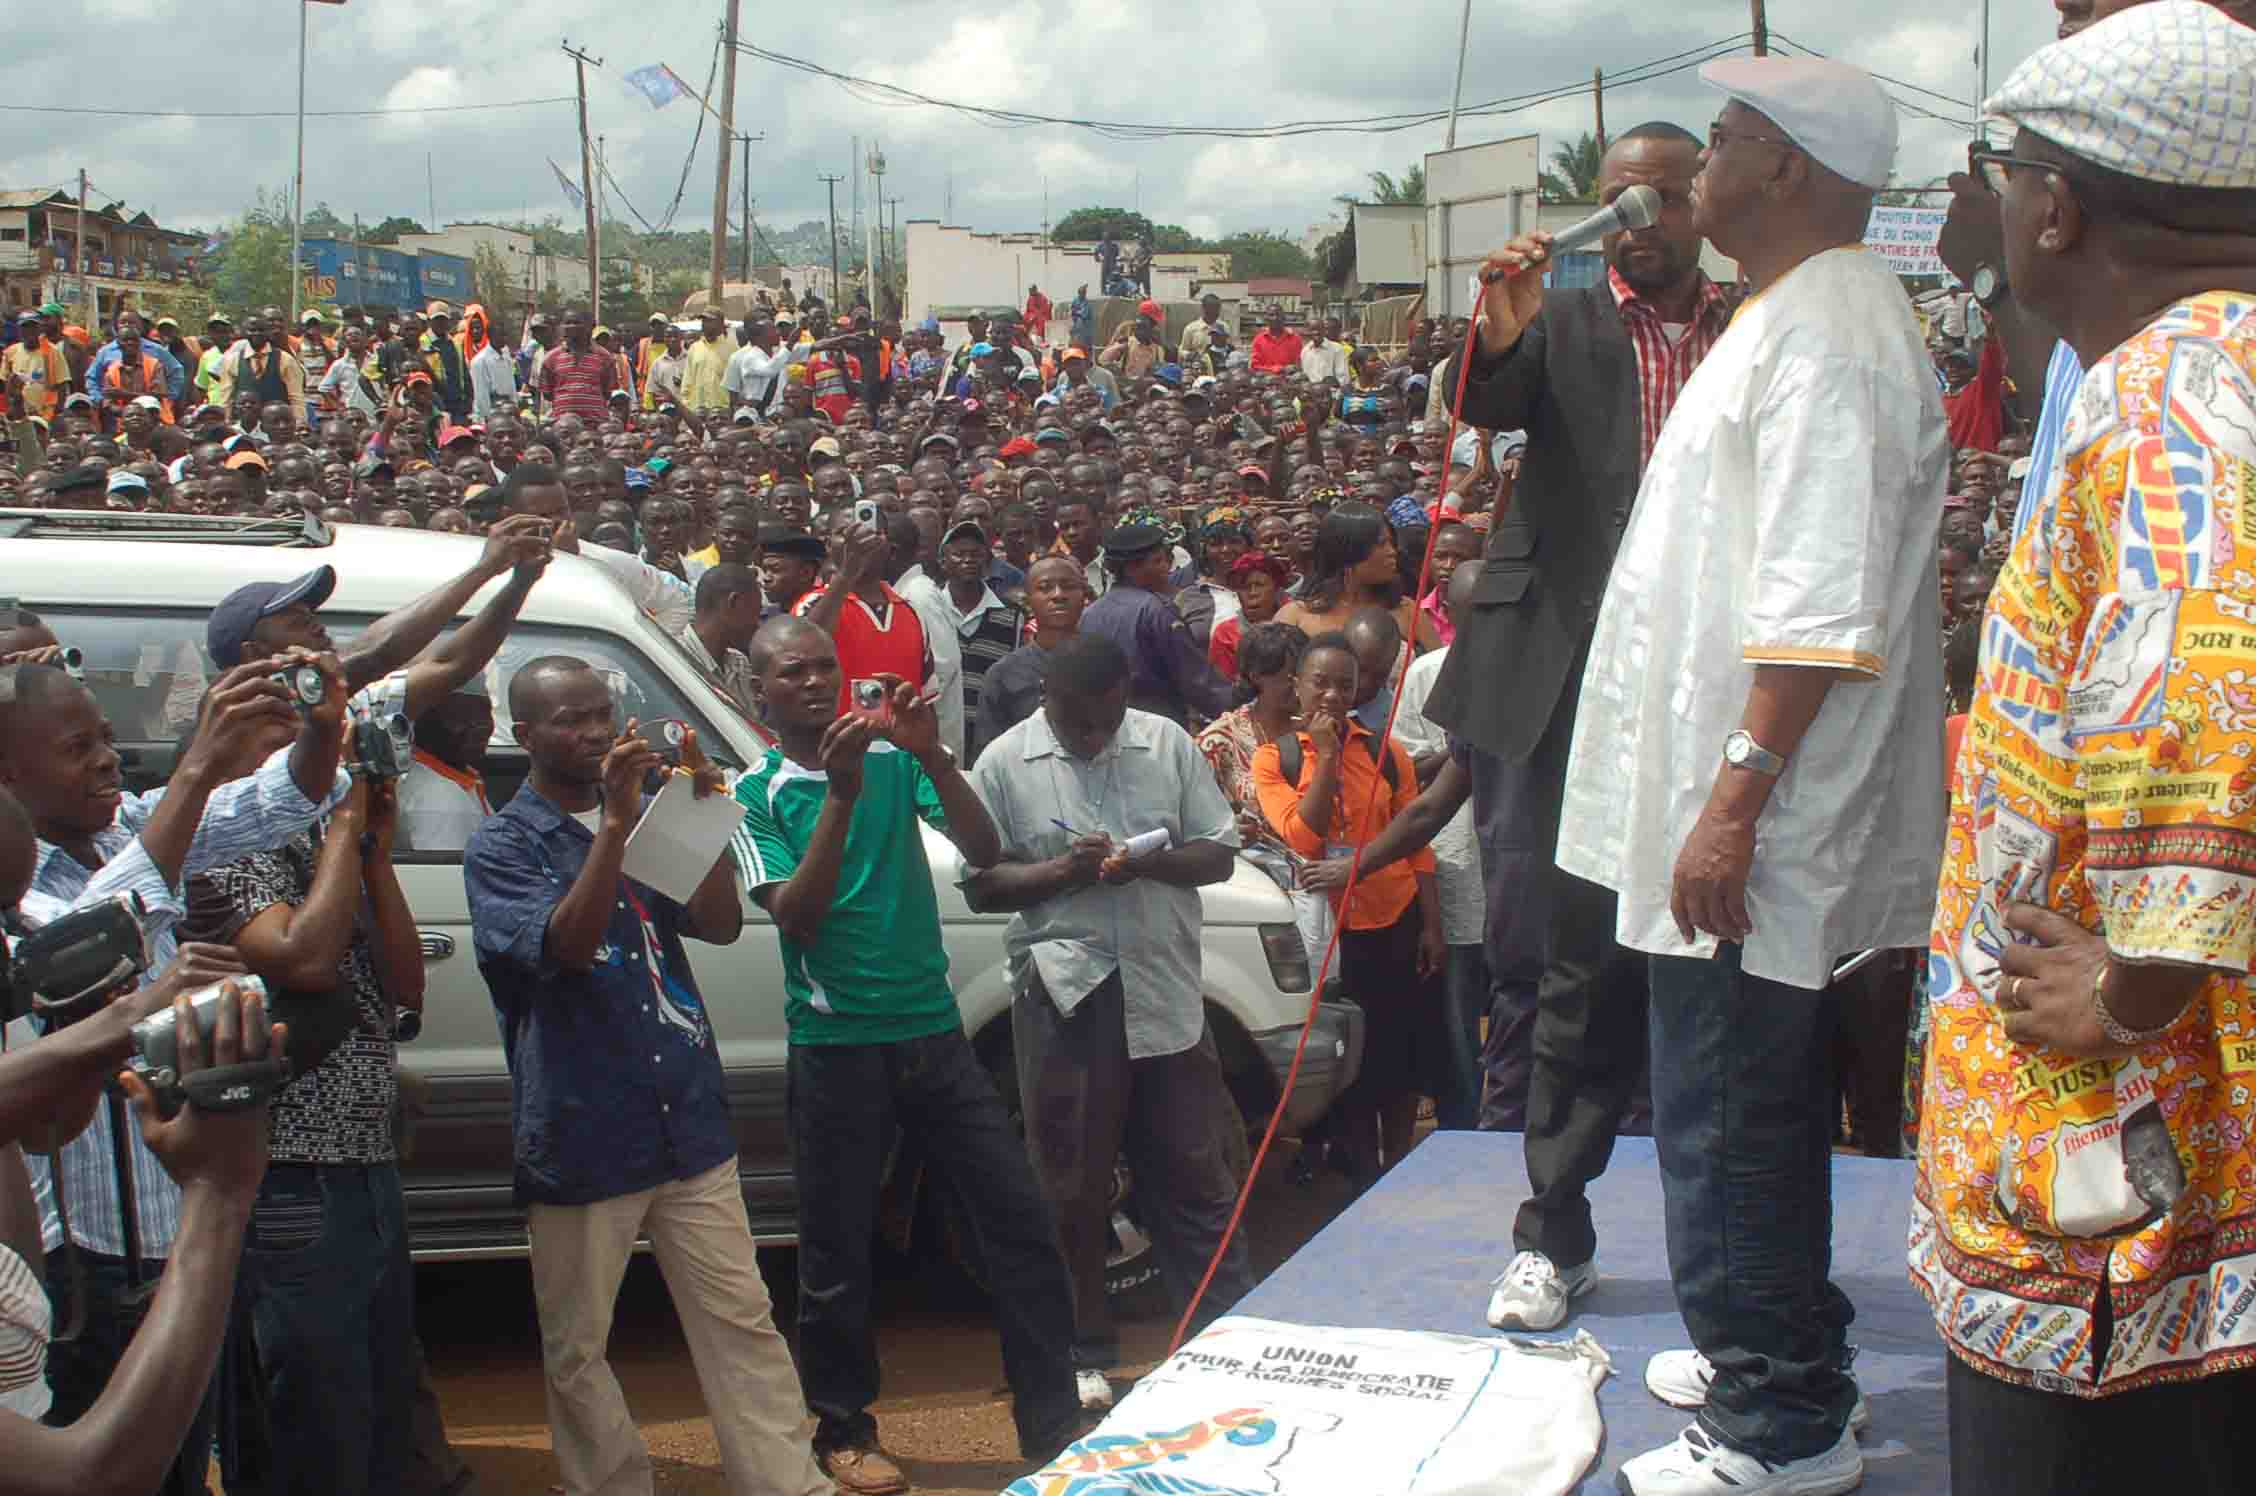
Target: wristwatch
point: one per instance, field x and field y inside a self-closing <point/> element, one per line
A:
<point x="1989" y="286"/>
<point x="1743" y="752"/>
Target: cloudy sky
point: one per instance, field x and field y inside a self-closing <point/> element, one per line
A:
<point x="1196" y="62"/>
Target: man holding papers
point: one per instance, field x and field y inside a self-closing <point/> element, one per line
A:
<point x="587" y="970"/>
<point x="831" y="848"/>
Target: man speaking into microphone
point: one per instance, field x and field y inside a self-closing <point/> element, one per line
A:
<point x="1590" y="374"/>
<point x="1757" y="765"/>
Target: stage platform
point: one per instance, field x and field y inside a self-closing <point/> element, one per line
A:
<point x="1418" y="1251"/>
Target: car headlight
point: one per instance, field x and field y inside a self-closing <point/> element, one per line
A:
<point x="1288" y="957"/>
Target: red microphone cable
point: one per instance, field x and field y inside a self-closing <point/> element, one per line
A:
<point x="1355" y="873"/>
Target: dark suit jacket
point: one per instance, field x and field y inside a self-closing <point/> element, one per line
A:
<point x="1571" y="384"/>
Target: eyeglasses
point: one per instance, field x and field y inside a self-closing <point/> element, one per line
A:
<point x="1993" y="167"/>
<point x="1719" y="137"/>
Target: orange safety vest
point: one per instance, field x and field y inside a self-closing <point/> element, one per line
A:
<point x="152" y="383"/>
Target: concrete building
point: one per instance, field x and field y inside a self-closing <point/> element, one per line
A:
<point x="532" y="277"/>
<point x="954" y="271"/>
<point x="128" y="261"/>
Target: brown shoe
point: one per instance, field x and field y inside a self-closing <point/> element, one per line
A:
<point x="863" y="1472"/>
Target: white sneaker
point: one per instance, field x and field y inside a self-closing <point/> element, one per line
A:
<point x="1531" y="1294"/>
<point x="1696" y="1465"/>
<point x="1681" y="1379"/>
<point x="1096" y="1392"/>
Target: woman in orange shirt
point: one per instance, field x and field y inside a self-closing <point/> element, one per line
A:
<point x="1349" y="785"/>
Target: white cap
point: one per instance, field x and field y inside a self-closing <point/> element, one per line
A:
<point x="1835" y="112"/>
<point x="2163" y="92"/>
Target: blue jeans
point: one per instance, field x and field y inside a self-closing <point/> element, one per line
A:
<point x="332" y="1297"/>
<point x="1742" y="1117"/>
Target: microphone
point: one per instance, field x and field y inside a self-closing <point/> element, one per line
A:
<point x="1638" y="208"/>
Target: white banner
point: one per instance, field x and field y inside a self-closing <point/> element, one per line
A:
<point x="1257" y="1408"/>
<point x="1904" y="238"/>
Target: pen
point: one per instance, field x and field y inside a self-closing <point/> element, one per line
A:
<point x="1068" y="830"/>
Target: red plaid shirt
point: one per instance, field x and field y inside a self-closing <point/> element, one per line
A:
<point x="1662" y="366"/>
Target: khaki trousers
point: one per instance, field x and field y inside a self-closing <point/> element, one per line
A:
<point x="704" y="1246"/>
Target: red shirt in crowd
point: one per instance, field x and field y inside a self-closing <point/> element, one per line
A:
<point x="1977" y="412"/>
<point x="872" y="643"/>
<point x="1276" y="352"/>
<point x="579" y="384"/>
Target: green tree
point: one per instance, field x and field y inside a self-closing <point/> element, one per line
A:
<point x="1259" y="252"/>
<point x="1095" y="223"/>
<point x="323" y="223"/>
<point x="251" y="268"/>
<point x="493" y="280"/>
<point x="390" y="229"/>
<point x="1573" y="177"/>
<point x="1410" y="188"/>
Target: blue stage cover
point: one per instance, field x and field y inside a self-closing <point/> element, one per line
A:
<point x="1418" y="1251"/>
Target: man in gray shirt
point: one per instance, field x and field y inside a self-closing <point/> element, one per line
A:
<point x="1112" y="1041"/>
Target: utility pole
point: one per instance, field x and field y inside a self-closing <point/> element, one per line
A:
<point x="877" y="218"/>
<point x="1464" y="31"/>
<point x="721" y="173"/>
<point x="895" y="204"/>
<point x="1983" y="92"/>
<point x="297" y="189"/>
<point x="85" y="266"/>
<point x="602" y="206"/>
<point x="1598" y="100"/>
<point x="1762" y="29"/>
<point x="746" y="142"/>
<point x="587" y="183"/>
<point x="830" y="180"/>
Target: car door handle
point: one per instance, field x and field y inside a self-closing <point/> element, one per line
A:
<point x="436" y="947"/>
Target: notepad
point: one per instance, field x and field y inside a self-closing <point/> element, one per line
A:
<point x="680" y="837"/>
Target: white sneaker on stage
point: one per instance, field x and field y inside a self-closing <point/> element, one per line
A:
<point x="1681" y="1379"/>
<point x="1696" y="1465"/>
<point x="1531" y="1294"/>
<point x="1096" y="1392"/>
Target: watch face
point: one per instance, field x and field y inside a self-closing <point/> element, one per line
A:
<point x="1985" y="282"/>
<point x="1735" y="748"/>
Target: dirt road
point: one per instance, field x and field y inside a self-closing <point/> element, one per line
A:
<point x="945" y="1413"/>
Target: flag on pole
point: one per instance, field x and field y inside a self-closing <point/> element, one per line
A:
<point x="565" y="182"/>
<point x="658" y="84"/>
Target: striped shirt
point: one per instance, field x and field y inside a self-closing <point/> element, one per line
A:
<point x="1665" y="361"/>
<point x="245" y="816"/>
<point x="579" y="384"/>
<point x="27" y="1322"/>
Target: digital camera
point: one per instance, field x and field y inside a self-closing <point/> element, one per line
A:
<point x="303" y="684"/>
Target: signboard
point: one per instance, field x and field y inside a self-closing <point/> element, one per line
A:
<point x="1904" y="239"/>
<point x="1477" y="197"/>
<point x="1390" y="244"/>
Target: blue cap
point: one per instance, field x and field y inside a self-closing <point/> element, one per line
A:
<point x="1169" y="374"/>
<point x="638" y="477"/>
<point x="239" y="612"/>
<point x="929" y="324"/>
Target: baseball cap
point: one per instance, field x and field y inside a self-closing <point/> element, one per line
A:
<point x="1834" y="112"/>
<point x="1149" y="309"/>
<point x="247" y="459"/>
<point x="1053" y="436"/>
<point x="313" y="314"/>
<point x="1169" y="374"/>
<point x="147" y="402"/>
<point x="791" y="542"/>
<point x="415" y="376"/>
<point x="167" y="322"/>
<point x="449" y="435"/>
<point x="744" y="415"/>
<point x="70" y="479"/>
<point x="439" y="309"/>
<point x="239" y="612"/>
<point x="931" y="437"/>
<point x="54" y="309"/>
<point x="969" y="527"/>
<point x="1017" y="446"/>
<point x="1073" y="353"/>
<point x="825" y="446"/>
<point x="1104" y="429"/>
<point x="79" y="397"/>
<point x="125" y="481"/>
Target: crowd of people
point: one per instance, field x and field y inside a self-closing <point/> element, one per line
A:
<point x="1645" y="717"/>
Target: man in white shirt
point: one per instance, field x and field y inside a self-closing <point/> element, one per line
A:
<point x="493" y="379"/>
<point x="1191" y="347"/>
<point x="755" y="372"/>
<point x="442" y="799"/>
<point x="1321" y="358"/>
<point x="1757" y="761"/>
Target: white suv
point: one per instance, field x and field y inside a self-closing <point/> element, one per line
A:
<point x="133" y="592"/>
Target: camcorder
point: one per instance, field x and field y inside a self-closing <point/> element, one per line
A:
<point x="69" y="969"/>
<point x="379" y="741"/>
<point x="217" y="1088"/>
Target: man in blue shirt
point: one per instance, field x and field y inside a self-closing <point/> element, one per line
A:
<point x="176" y="378"/>
<point x="588" y="975"/>
<point x="1171" y="675"/>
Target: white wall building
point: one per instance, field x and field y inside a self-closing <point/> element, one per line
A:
<point x="529" y="273"/>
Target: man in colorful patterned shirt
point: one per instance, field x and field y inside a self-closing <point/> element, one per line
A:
<point x="2083" y="1224"/>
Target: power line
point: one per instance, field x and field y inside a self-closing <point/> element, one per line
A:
<point x="894" y="96"/>
<point x="1964" y="104"/>
<point x="273" y="113"/>
<point x="682" y="186"/>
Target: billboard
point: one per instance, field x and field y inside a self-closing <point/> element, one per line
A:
<point x="1477" y="196"/>
<point x="441" y="277"/>
<point x="348" y="274"/>
<point x="1905" y="239"/>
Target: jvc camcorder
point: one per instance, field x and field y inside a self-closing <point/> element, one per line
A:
<point x="65" y="970"/>
<point x="222" y="1088"/>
